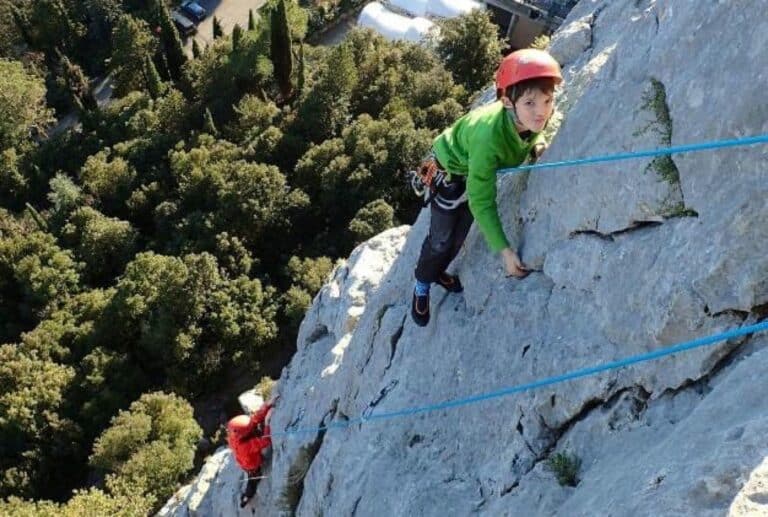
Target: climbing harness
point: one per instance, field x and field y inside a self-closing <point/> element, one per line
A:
<point x="431" y="182"/>
<point x="426" y="179"/>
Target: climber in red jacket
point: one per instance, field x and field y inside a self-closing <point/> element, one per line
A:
<point x="248" y="436"/>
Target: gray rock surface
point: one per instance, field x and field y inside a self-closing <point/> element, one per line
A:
<point x="622" y="269"/>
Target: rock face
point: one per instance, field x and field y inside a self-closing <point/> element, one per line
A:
<point x="632" y="256"/>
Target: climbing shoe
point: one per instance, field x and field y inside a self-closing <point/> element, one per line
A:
<point x="250" y="491"/>
<point x="420" y="309"/>
<point x="450" y="283"/>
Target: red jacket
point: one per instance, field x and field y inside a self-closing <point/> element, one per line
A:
<point x="246" y="446"/>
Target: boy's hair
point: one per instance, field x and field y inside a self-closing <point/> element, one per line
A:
<point x="514" y="92"/>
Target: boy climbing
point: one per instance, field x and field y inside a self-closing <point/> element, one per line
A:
<point x="248" y="438"/>
<point x="501" y="135"/>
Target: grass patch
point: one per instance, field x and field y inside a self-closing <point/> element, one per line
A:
<point x="680" y="210"/>
<point x="264" y="388"/>
<point x="655" y="100"/>
<point x="566" y="468"/>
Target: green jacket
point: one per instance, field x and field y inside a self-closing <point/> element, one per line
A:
<point x="475" y="146"/>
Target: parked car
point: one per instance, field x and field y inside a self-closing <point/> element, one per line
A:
<point x="184" y="24"/>
<point x="194" y="10"/>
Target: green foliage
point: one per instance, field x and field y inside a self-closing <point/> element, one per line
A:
<point x="655" y="101"/>
<point x="152" y="78"/>
<point x="32" y="393"/>
<point x="251" y="20"/>
<point x="108" y="181"/>
<point x="36" y="276"/>
<point x="265" y="387"/>
<point x="64" y="197"/>
<point x="307" y="276"/>
<point x="13" y="182"/>
<point x="566" y="468"/>
<point x="680" y="210"/>
<point x="470" y="47"/>
<point x="105" y="245"/>
<point x="22" y="105"/>
<point x="541" y="42"/>
<point x="84" y="503"/>
<point x="372" y="219"/>
<point x="185" y="323"/>
<point x="77" y="85"/>
<point x="280" y="49"/>
<point x="219" y="192"/>
<point x="196" y="52"/>
<point x="132" y="42"/>
<point x="237" y="36"/>
<point x="171" y="41"/>
<point x="148" y="448"/>
<point x="324" y="110"/>
<point x="218" y="31"/>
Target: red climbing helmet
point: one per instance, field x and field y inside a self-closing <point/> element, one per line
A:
<point x="528" y="63"/>
<point x="237" y="424"/>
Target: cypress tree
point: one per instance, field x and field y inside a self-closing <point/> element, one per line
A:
<point x="196" y="52"/>
<point x="172" y="46"/>
<point x="208" y="125"/>
<point x="77" y="84"/>
<point x="22" y="23"/>
<point x="155" y="85"/>
<point x="280" y="49"/>
<point x="237" y="36"/>
<point x="301" y="78"/>
<point x="251" y="20"/>
<point x="218" y="32"/>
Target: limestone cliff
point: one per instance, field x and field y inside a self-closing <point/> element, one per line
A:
<point x="631" y="256"/>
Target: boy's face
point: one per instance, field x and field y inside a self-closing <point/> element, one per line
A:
<point x="533" y="110"/>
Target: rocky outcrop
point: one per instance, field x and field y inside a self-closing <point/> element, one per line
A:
<point x="630" y="256"/>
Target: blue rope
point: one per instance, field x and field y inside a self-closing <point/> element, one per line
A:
<point x="717" y="144"/>
<point x="584" y="372"/>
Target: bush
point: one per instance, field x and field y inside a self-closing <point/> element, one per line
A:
<point x="565" y="467"/>
<point x="148" y="448"/>
<point x="371" y="220"/>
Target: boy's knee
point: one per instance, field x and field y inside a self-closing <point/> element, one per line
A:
<point x="440" y="246"/>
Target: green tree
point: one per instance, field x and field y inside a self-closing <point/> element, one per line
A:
<point x="77" y="84"/>
<point x="148" y="448"/>
<point x="209" y="126"/>
<point x="281" y="51"/>
<point x="22" y="104"/>
<point x="184" y="324"/>
<point x="171" y="41"/>
<point x="132" y="42"/>
<point x="105" y="245"/>
<point x="251" y="20"/>
<point x="218" y="31"/>
<point x="108" y="181"/>
<point x="325" y="108"/>
<point x="470" y="47"/>
<point x="196" y="52"/>
<point x="38" y="441"/>
<point x="155" y="85"/>
<point x="307" y="276"/>
<point x="372" y="219"/>
<point x="237" y="36"/>
<point x="36" y="276"/>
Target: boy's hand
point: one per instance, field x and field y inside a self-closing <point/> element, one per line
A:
<point x="512" y="264"/>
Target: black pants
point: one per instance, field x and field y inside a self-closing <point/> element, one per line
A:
<point x="447" y="231"/>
